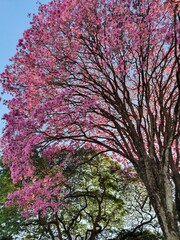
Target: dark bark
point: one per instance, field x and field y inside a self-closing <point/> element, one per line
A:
<point x="176" y="178"/>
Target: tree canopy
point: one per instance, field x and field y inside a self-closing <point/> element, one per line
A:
<point x="104" y="75"/>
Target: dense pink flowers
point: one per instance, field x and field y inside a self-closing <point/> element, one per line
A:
<point x="37" y="196"/>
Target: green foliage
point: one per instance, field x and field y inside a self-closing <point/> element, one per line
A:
<point x="11" y="222"/>
<point x="95" y="204"/>
<point x="145" y="235"/>
<point x="94" y="196"/>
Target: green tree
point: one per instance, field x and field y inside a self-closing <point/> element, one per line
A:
<point x="100" y="200"/>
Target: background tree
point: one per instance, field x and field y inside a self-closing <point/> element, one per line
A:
<point x="98" y="203"/>
<point x="102" y="74"/>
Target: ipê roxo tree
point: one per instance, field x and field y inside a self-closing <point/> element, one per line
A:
<point x="103" y="74"/>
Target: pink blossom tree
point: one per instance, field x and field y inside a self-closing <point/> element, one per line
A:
<point x="103" y="74"/>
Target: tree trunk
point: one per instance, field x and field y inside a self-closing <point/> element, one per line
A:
<point x="167" y="221"/>
<point x="159" y="188"/>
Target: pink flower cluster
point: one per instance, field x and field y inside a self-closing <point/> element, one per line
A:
<point x="39" y="196"/>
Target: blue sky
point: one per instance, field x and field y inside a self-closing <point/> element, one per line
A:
<point x="13" y="21"/>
